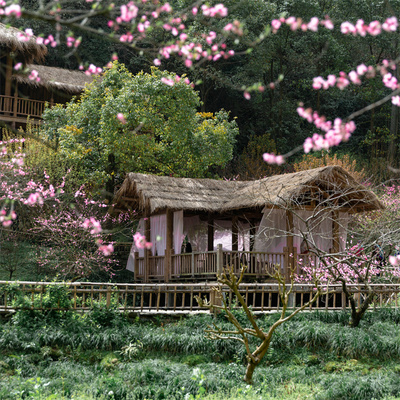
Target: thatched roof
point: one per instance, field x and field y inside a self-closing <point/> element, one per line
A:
<point x="56" y="78"/>
<point x="160" y="192"/>
<point x="325" y="186"/>
<point x="27" y="51"/>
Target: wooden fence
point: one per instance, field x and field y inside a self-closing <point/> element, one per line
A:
<point x="21" y="107"/>
<point x="174" y="298"/>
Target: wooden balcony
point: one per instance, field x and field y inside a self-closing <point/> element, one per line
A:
<point x="17" y="109"/>
<point x="205" y="266"/>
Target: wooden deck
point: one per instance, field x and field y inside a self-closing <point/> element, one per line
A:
<point x="17" y="109"/>
<point x="179" y="298"/>
<point x="203" y="266"/>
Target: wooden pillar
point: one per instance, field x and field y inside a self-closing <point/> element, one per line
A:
<point x="169" y="245"/>
<point x="147" y="252"/>
<point x="335" y="231"/>
<point x="136" y="267"/>
<point x="9" y="66"/>
<point x="7" y="88"/>
<point x="289" y="244"/>
<point x="220" y="259"/>
<point x="235" y="230"/>
<point x="15" y="105"/>
<point x="210" y="233"/>
<point x="252" y="235"/>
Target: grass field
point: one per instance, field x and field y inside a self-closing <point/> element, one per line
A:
<point x="103" y="355"/>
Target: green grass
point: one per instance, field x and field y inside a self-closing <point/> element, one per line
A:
<point x="315" y="356"/>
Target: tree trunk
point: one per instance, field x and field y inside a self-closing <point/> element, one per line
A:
<point x="248" y="377"/>
<point x="358" y="313"/>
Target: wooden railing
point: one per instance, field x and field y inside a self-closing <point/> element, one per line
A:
<point x="18" y="107"/>
<point x="207" y="265"/>
<point x="195" y="265"/>
<point x="179" y="297"/>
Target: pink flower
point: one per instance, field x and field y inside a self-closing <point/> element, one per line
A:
<point x="374" y="28"/>
<point x="13" y="10"/>
<point x="390" y="25"/>
<point x="276" y="24"/>
<point x="273" y="159"/>
<point x="18" y="66"/>
<point x="34" y="76"/>
<point x="121" y="118"/>
<point x="354" y="77"/>
<point x="362" y="69"/>
<point x="166" y="8"/>
<point x="396" y="101"/>
<point x="313" y="24"/>
<point x="106" y="249"/>
<point x="167" y="81"/>
<point x="394" y="260"/>
<point x="347" y="27"/>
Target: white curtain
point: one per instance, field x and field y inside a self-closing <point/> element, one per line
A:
<point x="131" y="259"/>
<point x="178" y="231"/>
<point x="223" y="234"/>
<point x="271" y="233"/>
<point x="196" y="231"/>
<point x="158" y="233"/>
<point x="300" y="220"/>
<point x="317" y="227"/>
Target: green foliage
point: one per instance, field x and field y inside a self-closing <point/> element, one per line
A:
<point x="75" y="358"/>
<point x="163" y="133"/>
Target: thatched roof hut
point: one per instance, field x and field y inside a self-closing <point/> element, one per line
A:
<point x="72" y="82"/>
<point x="26" y="52"/>
<point x="325" y="186"/>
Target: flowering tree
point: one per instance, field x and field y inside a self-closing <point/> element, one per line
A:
<point x="16" y="185"/>
<point x="72" y="242"/>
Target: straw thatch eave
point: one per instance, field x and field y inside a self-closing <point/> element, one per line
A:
<point x="157" y="193"/>
<point x="26" y="52"/>
<point x="72" y="82"/>
<point x="325" y="186"/>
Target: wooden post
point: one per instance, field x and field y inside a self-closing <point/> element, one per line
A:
<point x="210" y="233"/>
<point x="169" y="244"/>
<point x="146" y="251"/>
<point x="108" y="298"/>
<point x="295" y="265"/>
<point x="289" y="244"/>
<point x="235" y="229"/>
<point x="287" y="261"/>
<point x="15" y="103"/>
<point x="220" y="256"/>
<point x="136" y="267"/>
<point x="252" y="235"/>
<point x="335" y="231"/>
<point x="192" y="263"/>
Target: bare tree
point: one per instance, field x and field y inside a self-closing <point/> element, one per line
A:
<point x="243" y="334"/>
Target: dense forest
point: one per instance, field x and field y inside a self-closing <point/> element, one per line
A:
<point x="268" y="121"/>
